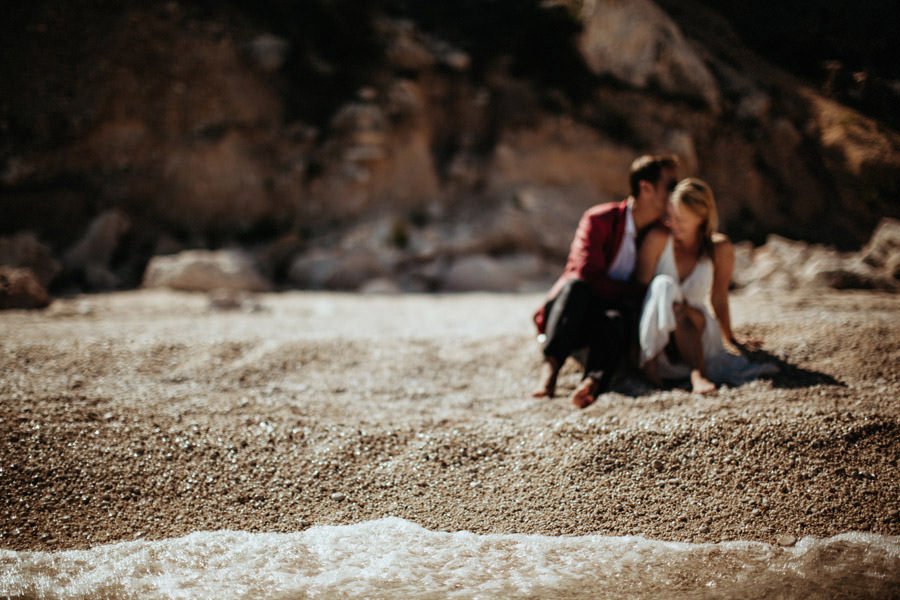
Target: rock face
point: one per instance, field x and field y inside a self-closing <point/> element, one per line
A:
<point x="204" y="271"/>
<point x="199" y="128"/>
<point x="20" y="288"/>
<point x="636" y="42"/>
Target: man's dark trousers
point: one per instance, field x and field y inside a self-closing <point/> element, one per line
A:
<point x="578" y="319"/>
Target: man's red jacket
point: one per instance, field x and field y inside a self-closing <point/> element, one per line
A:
<point x="597" y="240"/>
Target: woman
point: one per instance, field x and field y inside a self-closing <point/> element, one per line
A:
<point x="687" y="269"/>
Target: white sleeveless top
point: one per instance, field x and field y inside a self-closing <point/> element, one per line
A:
<point x="697" y="286"/>
<point x="658" y="322"/>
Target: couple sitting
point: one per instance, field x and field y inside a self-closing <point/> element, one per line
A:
<point x="630" y="278"/>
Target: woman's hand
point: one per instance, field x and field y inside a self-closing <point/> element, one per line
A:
<point x="745" y="346"/>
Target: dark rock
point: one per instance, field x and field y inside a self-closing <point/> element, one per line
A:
<point x="89" y="259"/>
<point x="26" y="251"/>
<point x="20" y="288"/>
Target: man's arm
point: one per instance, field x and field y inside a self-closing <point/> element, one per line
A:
<point x="594" y="232"/>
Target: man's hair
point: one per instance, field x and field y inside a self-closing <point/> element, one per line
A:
<point x="649" y="168"/>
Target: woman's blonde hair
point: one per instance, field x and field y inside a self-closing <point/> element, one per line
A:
<point x="696" y="196"/>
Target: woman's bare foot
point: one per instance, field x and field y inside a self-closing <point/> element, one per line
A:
<point x="700" y="384"/>
<point x="550" y="371"/>
<point x="586" y="393"/>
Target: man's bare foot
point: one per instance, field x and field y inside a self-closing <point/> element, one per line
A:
<point x="700" y="384"/>
<point x="586" y="393"/>
<point x="550" y="371"/>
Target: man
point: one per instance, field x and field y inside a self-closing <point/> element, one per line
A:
<point x="595" y="301"/>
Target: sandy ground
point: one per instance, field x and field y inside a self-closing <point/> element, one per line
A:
<point x="151" y="414"/>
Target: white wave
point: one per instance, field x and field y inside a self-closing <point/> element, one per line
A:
<point x="393" y="558"/>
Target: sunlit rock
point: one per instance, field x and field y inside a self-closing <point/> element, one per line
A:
<point x="203" y="271"/>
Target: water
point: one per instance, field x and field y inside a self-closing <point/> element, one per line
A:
<point x="393" y="558"/>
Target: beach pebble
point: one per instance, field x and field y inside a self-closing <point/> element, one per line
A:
<point x="338" y="496"/>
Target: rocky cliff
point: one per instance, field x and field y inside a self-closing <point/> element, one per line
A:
<point x="397" y="142"/>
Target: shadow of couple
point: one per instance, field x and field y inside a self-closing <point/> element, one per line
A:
<point x="631" y="382"/>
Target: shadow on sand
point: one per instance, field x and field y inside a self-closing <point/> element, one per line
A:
<point x="791" y="376"/>
<point x="632" y="382"/>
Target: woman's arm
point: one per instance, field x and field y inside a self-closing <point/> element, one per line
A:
<point x="648" y="254"/>
<point x="723" y="267"/>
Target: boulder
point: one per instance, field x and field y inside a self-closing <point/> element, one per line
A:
<point x="275" y="258"/>
<point x="380" y="285"/>
<point x="480" y="273"/>
<point x="90" y="257"/>
<point x="522" y="265"/>
<point x="787" y="264"/>
<point x="313" y="269"/>
<point x="636" y="42"/>
<point x="26" y="251"/>
<point x="204" y="271"/>
<point x="337" y="269"/>
<point x="883" y="248"/>
<point x="20" y="288"/>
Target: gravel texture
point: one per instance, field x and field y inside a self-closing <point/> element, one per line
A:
<point x="152" y="414"/>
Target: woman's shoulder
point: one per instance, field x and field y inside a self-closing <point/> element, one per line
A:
<point x="721" y="242"/>
<point x="722" y="248"/>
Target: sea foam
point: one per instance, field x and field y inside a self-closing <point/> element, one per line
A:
<point x="394" y="558"/>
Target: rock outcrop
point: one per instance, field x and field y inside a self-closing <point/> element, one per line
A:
<point x="787" y="264"/>
<point x="638" y="43"/>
